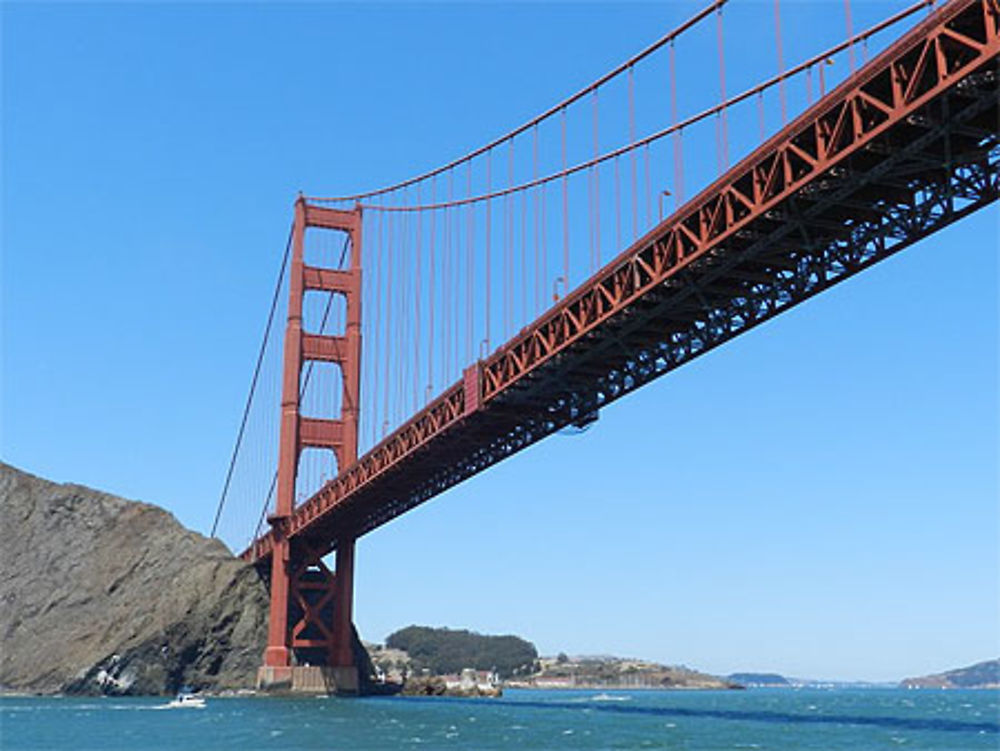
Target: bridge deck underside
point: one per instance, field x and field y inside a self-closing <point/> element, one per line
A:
<point x="895" y="180"/>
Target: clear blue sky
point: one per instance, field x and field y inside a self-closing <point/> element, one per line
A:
<point x="818" y="497"/>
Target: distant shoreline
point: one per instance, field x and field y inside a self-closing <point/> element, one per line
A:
<point x="616" y="687"/>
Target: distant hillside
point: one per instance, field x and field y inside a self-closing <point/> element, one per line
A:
<point x="609" y="672"/>
<point x="443" y="651"/>
<point x="759" y="679"/>
<point x="981" y="675"/>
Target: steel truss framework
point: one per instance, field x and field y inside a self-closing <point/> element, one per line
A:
<point x="901" y="150"/>
<point x="313" y="590"/>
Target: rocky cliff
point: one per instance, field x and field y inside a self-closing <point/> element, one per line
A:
<point x="98" y="593"/>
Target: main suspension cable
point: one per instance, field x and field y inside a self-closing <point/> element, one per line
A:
<point x="675" y="128"/>
<point x="555" y="109"/>
<point x="253" y="385"/>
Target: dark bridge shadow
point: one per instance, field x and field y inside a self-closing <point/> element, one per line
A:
<point x="900" y="723"/>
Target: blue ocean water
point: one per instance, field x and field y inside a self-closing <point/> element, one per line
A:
<point x="694" y="721"/>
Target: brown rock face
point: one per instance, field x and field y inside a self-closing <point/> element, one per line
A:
<point x="98" y="593"/>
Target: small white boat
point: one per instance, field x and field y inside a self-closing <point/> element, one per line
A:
<point x="187" y="700"/>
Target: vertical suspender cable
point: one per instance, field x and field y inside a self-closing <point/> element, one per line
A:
<point x="618" y="209"/>
<point x="524" y="258"/>
<point x="446" y="317"/>
<point x="760" y="114"/>
<point x="545" y="247"/>
<point x="400" y="315"/>
<point x="376" y="352"/>
<point x="489" y="202"/>
<point x="504" y="269"/>
<point x="781" y="65"/>
<point x="534" y="176"/>
<point x="723" y="120"/>
<point x="509" y="245"/>
<point x="595" y="262"/>
<point x="470" y="270"/>
<point x="430" y="290"/>
<point x="631" y="139"/>
<point x="417" y="289"/>
<point x="387" y="346"/>
<point x="850" y="33"/>
<point x="678" y="146"/>
<point x="565" y="202"/>
<point x="649" y="192"/>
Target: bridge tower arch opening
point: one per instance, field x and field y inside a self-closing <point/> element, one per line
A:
<point x="310" y="622"/>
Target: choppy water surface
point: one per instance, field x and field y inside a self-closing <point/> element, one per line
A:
<point x="756" y="719"/>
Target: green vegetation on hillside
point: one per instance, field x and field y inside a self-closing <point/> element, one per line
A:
<point x="443" y="651"/>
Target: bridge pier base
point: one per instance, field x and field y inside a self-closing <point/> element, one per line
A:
<point x="274" y="678"/>
<point x="312" y="643"/>
<point x="345" y="679"/>
<point x="308" y="679"/>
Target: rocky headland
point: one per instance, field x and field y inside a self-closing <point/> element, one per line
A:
<point x="99" y="594"/>
<point x="608" y="672"/>
<point x="981" y="675"/>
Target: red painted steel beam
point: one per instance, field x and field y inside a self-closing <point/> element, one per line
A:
<point x="319" y="433"/>
<point x="329" y="280"/>
<point x="327" y="218"/>
<point x="324" y="348"/>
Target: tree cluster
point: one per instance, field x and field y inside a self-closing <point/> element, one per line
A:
<point x="443" y="651"/>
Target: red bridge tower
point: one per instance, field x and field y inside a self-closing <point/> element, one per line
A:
<point x="310" y="615"/>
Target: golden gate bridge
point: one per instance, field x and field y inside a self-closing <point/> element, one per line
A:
<point x="441" y="324"/>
